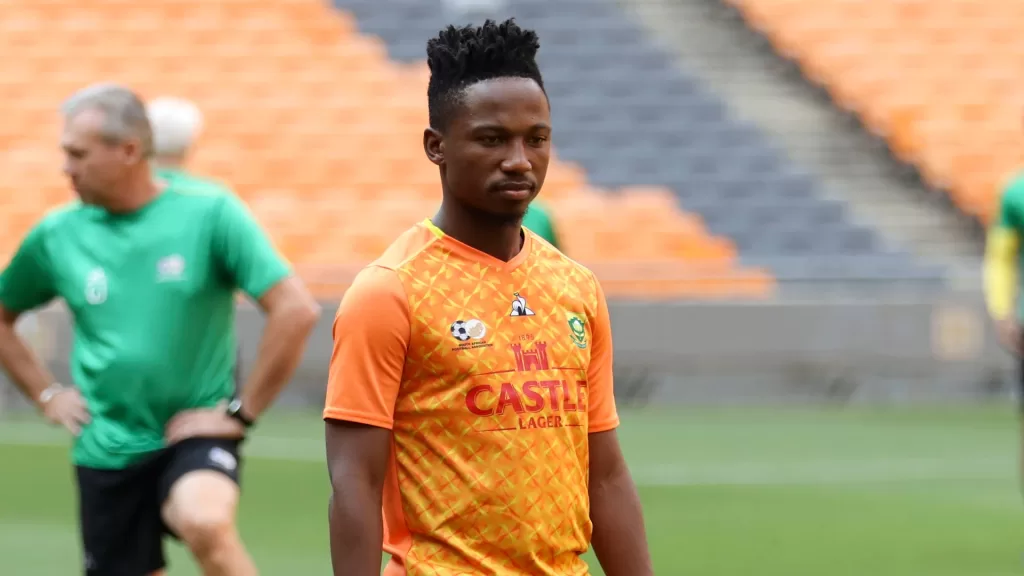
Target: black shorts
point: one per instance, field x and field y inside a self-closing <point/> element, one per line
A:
<point x="119" y="510"/>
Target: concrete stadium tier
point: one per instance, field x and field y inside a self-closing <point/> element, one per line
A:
<point x="629" y="116"/>
<point x="320" y="132"/>
<point x="938" y="79"/>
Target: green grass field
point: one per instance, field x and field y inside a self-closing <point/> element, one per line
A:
<point x="885" y="492"/>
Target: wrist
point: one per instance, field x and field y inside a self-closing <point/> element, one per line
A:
<point x="48" y="394"/>
<point x="238" y="410"/>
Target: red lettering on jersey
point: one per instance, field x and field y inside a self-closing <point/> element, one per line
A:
<point x="530" y="390"/>
<point x="568" y="405"/>
<point x="472" y="400"/>
<point x="581" y="395"/>
<point x="509" y="397"/>
<point x="553" y="387"/>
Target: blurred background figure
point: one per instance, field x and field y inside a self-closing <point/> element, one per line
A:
<point x="177" y="124"/>
<point x="785" y="202"/>
<point x="539" y="220"/>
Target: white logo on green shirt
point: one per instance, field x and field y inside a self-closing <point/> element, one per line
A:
<point x="96" y="286"/>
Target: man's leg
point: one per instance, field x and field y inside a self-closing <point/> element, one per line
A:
<point x="201" y="486"/>
<point x="120" y="521"/>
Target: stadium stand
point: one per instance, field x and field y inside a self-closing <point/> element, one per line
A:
<point x="318" y="131"/>
<point x="938" y="79"/>
<point x="629" y="115"/>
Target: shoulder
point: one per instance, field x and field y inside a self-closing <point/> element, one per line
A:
<point x="1013" y="189"/>
<point x="405" y="250"/>
<point x="60" y="217"/>
<point x="564" y="268"/>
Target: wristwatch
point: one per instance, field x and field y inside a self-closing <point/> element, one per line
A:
<point x="52" y="390"/>
<point x="235" y="411"/>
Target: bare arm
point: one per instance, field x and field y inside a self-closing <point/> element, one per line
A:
<point x="292" y="314"/>
<point x="27" y="371"/>
<point x="357" y="457"/>
<point x="619" y="540"/>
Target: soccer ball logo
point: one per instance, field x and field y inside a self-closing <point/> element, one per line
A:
<point x="463" y="330"/>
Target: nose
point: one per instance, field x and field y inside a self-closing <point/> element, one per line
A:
<point x="516" y="161"/>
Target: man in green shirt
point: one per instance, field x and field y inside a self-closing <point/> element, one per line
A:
<point x="538" y="220"/>
<point x="148" y="270"/>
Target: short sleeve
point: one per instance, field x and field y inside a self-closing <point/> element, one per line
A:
<point x="602" y="414"/>
<point x="1009" y="216"/>
<point x="371" y="339"/>
<point x="28" y="281"/>
<point x="243" y="250"/>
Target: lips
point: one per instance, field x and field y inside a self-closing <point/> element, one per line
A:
<point x="514" y="186"/>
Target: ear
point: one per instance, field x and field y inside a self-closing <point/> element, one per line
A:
<point x="433" y="146"/>
<point x="132" y="151"/>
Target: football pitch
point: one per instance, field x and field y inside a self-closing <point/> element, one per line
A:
<point x="766" y="492"/>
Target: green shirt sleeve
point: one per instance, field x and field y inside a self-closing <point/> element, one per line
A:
<point x="27" y="282"/>
<point x="538" y="220"/>
<point x="1010" y="205"/>
<point x="244" y="251"/>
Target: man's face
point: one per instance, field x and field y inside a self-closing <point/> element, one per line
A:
<point x="496" y="148"/>
<point x="93" y="164"/>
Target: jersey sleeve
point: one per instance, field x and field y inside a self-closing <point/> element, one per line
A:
<point x="1002" y="246"/>
<point x="371" y="339"/>
<point x="244" y="251"/>
<point x="27" y="281"/>
<point x="602" y="413"/>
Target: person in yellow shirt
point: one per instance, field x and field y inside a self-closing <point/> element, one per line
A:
<point x="1003" y="261"/>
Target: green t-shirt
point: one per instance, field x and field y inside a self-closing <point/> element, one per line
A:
<point x="538" y="220"/>
<point x="152" y="296"/>
<point x="178" y="177"/>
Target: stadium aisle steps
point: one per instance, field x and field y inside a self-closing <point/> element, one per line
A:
<point x="938" y="79"/>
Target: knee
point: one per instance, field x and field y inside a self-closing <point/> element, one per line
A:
<point x="205" y="530"/>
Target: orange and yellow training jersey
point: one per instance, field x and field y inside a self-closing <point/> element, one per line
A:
<point x="491" y="375"/>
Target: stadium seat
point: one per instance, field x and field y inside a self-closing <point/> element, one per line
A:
<point x="629" y="115"/>
<point x="938" y="79"/>
<point x="317" y="130"/>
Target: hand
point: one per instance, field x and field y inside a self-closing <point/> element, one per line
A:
<point x="203" y="423"/>
<point x="67" y="408"/>
<point x="1010" y="335"/>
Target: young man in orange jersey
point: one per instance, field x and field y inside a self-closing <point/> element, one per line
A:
<point x="470" y="389"/>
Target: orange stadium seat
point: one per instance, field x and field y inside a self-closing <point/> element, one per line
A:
<point x="939" y="79"/>
<point x="317" y="130"/>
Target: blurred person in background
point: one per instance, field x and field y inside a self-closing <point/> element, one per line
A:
<point x="538" y="220"/>
<point x="1003" y="261"/>
<point x="176" y="125"/>
<point x="470" y="389"/>
<point x="149" y="271"/>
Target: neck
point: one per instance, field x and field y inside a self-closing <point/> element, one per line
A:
<point x="135" y="194"/>
<point x="168" y="163"/>
<point x="498" y="236"/>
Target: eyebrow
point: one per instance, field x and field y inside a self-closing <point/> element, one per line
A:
<point x="499" y="127"/>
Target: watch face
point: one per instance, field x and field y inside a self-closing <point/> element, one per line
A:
<point x="235" y="406"/>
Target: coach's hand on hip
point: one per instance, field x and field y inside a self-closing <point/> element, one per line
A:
<point x="65" y="407"/>
<point x="203" y="423"/>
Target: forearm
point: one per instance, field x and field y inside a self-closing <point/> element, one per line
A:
<point x="1001" y="273"/>
<point x="29" y="373"/>
<point x="619" y="539"/>
<point x="357" y="532"/>
<point x="280" y="350"/>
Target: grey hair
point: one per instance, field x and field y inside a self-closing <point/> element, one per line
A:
<point x="176" y="124"/>
<point x="124" y="112"/>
